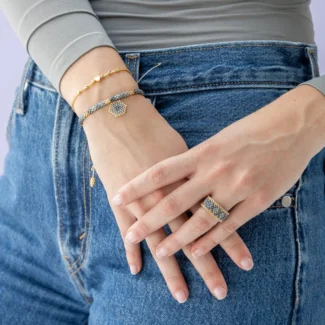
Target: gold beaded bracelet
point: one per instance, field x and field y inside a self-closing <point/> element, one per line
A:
<point x="96" y="80"/>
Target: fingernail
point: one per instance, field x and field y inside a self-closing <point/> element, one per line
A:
<point x="161" y="252"/>
<point x="131" y="237"/>
<point x="117" y="200"/>
<point x="180" y="296"/>
<point x="246" y="263"/>
<point x="197" y="253"/>
<point x="220" y="292"/>
<point x="133" y="269"/>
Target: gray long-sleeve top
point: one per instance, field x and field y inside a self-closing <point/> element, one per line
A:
<point x="56" y="33"/>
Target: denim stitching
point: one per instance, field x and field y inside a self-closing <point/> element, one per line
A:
<point x="85" y="206"/>
<point x="58" y="188"/>
<point x="223" y="46"/>
<point x="82" y="290"/>
<point x="89" y="224"/>
<point x="225" y="83"/>
<point x="134" y="71"/>
<point x="297" y="280"/>
<point x="313" y="62"/>
<point x="41" y="85"/>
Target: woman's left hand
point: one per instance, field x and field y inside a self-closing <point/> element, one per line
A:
<point x="245" y="167"/>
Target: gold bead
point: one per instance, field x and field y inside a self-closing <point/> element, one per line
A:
<point x="92" y="182"/>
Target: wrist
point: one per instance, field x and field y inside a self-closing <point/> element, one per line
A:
<point x="310" y="105"/>
<point x="93" y="63"/>
<point x="139" y="117"/>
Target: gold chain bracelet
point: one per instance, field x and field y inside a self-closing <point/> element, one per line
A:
<point x="96" y="80"/>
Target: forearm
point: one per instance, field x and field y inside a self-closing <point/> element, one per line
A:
<point x="93" y="63"/>
<point x="306" y="106"/>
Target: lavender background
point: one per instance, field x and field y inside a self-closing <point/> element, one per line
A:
<point x="13" y="57"/>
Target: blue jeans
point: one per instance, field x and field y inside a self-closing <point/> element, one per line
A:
<point x="62" y="258"/>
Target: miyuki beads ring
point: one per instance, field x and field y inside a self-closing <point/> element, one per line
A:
<point x="214" y="209"/>
<point x="116" y="106"/>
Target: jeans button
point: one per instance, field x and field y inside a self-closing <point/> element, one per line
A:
<point x="286" y="201"/>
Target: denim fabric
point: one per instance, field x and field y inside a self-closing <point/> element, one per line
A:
<point x="62" y="259"/>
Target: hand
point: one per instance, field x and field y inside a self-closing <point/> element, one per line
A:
<point x="119" y="153"/>
<point x="245" y="168"/>
<point x="124" y="147"/>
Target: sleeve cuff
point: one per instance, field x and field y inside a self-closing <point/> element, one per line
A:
<point x="56" y="45"/>
<point x="318" y="83"/>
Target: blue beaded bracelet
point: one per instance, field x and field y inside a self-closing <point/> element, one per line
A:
<point x="116" y="106"/>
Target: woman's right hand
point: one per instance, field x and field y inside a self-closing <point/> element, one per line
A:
<point x="123" y="147"/>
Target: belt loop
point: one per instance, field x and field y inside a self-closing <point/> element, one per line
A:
<point x="26" y="75"/>
<point x="312" y="56"/>
<point x="133" y="64"/>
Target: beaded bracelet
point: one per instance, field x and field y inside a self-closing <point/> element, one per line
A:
<point x="116" y="106"/>
<point x="96" y="80"/>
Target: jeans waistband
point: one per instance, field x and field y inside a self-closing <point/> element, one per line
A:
<point x="220" y="65"/>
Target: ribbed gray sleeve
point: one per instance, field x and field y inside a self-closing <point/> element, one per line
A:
<point x="55" y="33"/>
<point x="318" y="83"/>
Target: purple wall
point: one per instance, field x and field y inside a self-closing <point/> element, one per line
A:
<point x="13" y="57"/>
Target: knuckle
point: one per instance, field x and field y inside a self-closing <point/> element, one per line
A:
<point x="205" y="149"/>
<point x="157" y="174"/>
<point x="144" y="229"/>
<point x="187" y="249"/>
<point x="130" y="191"/>
<point x="158" y="196"/>
<point x="223" y="167"/>
<point x="170" y="207"/>
<point x="200" y="223"/>
<point x="246" y="179"/>
<point x="262" y="199"/>
<point x="229" y="227"/>
<point x="208" y="276"/>
<point x="232" y="244"/>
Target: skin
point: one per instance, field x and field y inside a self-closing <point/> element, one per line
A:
<point x="122" y="148"/>
<point x="257" y="159"/>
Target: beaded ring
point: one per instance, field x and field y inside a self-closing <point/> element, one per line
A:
<point x="116" y="106"/>
<point x="214" y="209"/>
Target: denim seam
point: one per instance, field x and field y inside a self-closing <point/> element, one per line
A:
<point x="85" y="207"/>
<point x="82" y="289"/>
<point x="223" y="46"/>
<point x="28" y="67"/>
<point x="89" y="224"/>
<point x="41" y="85"/>
<point x="313" y="62"/>
<point x="298" y="269"/>
<point x="58" y="188"/>
<point x="285" y="85"/>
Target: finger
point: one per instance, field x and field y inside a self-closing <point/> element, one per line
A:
<point x="239" y="215"/>
<point x="237" y="250"/>
<point x="167" y="209"/>
<point x="235" y="247"/>
<point x="206" y="265"/>
<point x="200" y="223"/>
<point x="161" y="174"/>
<point x="169" y="267"/>
<point x="125" y="219"/>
